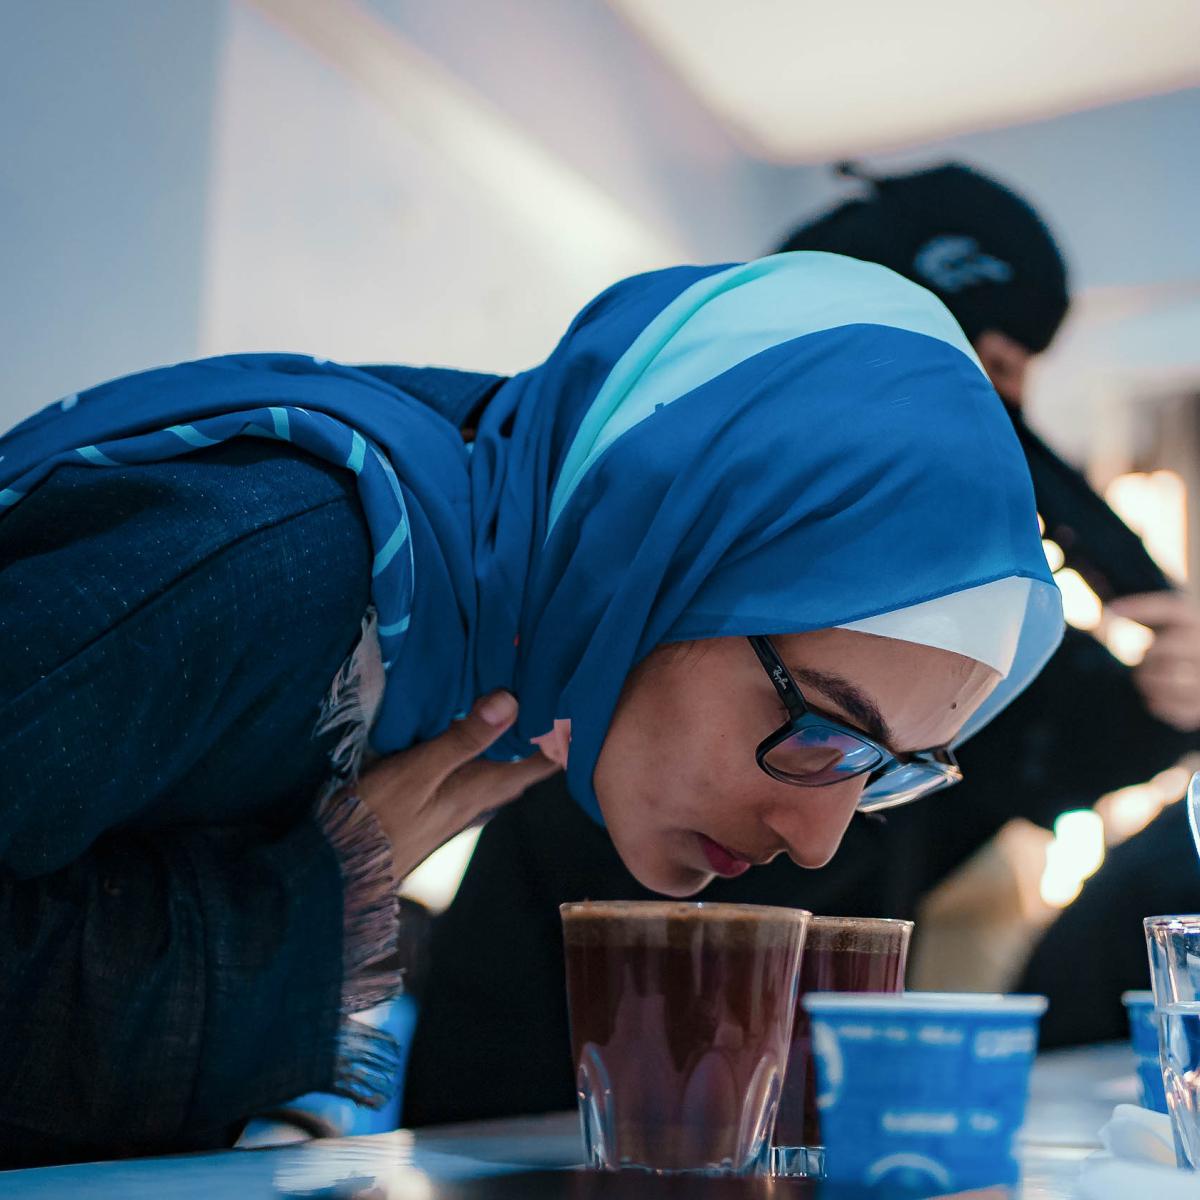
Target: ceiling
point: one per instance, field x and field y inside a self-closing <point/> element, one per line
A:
<point x="803" y="82"/>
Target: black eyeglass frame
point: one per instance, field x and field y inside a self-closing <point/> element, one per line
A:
<point x="937" y="764"/>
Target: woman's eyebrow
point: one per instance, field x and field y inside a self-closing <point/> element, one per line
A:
<point x="851" y="699"/>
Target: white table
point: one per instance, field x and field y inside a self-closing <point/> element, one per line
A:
<point x="1072" y="1095"/>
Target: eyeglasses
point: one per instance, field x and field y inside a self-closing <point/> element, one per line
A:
<point x="813" y="750"/>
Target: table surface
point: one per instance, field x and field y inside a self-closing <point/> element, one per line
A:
<point x="1072" y="1094"/>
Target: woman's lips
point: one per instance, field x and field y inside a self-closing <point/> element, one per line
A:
<point x="721" y="860"/>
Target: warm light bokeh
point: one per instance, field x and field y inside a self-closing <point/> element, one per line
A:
<point x="1130" y="810"/>
<point x="435" y="882"/>
<point x="1154" y="505"/>
<point x="1075" y="854"/>
<point x="1081" y="606"/>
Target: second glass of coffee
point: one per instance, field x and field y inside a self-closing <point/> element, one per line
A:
<point x="841" y="954"/>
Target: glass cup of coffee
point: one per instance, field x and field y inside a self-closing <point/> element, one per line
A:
<point x="681" y="1021"/>
<point x="841" y="954"/>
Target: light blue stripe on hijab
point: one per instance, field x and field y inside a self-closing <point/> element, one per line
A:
<point x="731" y="316"/>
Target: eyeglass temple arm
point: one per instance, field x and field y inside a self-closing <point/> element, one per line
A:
<point x="785" y="685"/>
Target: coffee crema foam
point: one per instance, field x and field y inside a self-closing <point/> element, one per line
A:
<point x="677" y="922"/>
<point x="867" y="935"/>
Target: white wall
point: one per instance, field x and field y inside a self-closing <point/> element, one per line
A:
<point x="577" y="78"/>
<point x="365" y="206"/>
<point x="451" y="182"/>
<point x="105" y="116"/>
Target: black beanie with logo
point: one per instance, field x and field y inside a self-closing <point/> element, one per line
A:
<point x="975" y="244"/>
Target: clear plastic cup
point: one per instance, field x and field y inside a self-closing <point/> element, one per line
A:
<point x="681" y="1019"/>
<point x="1173" y="946"/>
<point x="925" y="1091"/>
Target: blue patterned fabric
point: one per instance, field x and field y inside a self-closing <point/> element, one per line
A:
<point x="764" y="448"/>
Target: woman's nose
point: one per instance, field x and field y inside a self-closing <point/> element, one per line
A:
<point x="812" y="821"/>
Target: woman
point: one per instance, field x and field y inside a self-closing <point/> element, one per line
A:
<point x="751" y="549"/>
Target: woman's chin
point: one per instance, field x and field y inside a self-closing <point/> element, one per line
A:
<point x="700" y="882"/>
<point x="671" y="880"/>
<point x="660" y="862"/>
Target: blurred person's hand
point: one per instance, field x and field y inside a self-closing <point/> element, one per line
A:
<point x="426" y="794"/>
<point x="1169" y="676"/>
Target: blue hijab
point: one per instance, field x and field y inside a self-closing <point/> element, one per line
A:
<point x="773" y="447"/>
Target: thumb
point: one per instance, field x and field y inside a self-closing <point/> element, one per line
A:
<point x="470" y="737"/>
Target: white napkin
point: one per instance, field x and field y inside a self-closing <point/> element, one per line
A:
<point x="1138" y="1160"/>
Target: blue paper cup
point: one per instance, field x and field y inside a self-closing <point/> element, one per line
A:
<point x="924" y="1091"/>
<point x="1143" y="1037"/>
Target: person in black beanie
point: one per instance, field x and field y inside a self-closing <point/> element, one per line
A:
<point x="492" y="1039"/>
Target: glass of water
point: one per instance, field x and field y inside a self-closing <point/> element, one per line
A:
<point x="1179" y="1041"/>
<point x="1173" y="944"/>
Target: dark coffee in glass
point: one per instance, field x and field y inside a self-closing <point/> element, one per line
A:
<point x="841" y="954"/>
<point x="681" y="1021"/>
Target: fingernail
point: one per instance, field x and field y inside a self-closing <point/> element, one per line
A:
<point x="499" y="708"/>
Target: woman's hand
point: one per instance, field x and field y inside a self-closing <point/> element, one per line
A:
<point x="426" y="794"/>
